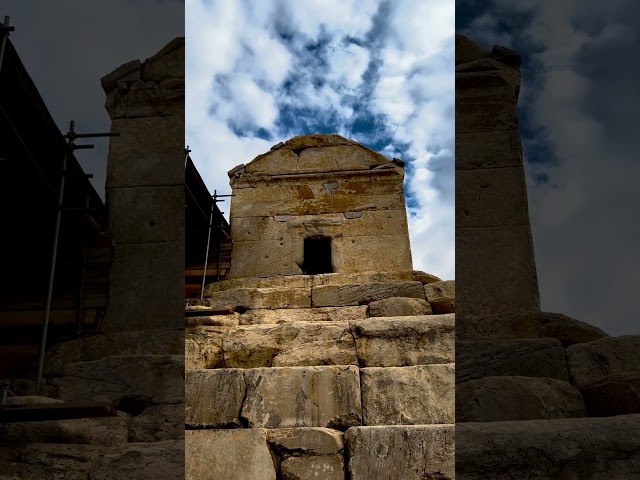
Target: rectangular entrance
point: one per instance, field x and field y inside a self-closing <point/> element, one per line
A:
<point x="317" y="256"/>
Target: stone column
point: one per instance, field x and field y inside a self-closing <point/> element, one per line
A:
<point x="495" y="267"/>
<point x="145" y="192"/>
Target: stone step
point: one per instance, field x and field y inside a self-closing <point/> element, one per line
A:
<point x="257" y="454"/>
<point x="509" y="398"/>
<point x="585" y="448"/>
<point x="526" y="325"/>
<point x="440" y="295"/>
<point x="328" y="396"/>
<point x="361" y="294"/>
<point x="321" y="314"/>
<point x="372" y="342"/>
<point x="96" y="347"/>
<point x="278" y="397"/>
<point x="589" y="362"/>
<point x="129" y="382"/>
<point x="414" y="452"/>
<point x="142" y="461"/>
<point x="530" y="357"/>
<point x="308" y="281"/>
<point x="108" y="431"/>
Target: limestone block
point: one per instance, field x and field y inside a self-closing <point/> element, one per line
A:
<point x="228" y="454"/>
<point x="149" y="151"/>
<point x="282" y="397"/>
<point x="305" y="440"/>
<point x="96" y="347"/>
<point x="488" y="150"/>
<point x="485" y="116"/>
<point x="48" y="460"/>
<point x="213" y="398"/>
<point x="326" y="186"/>
<point x="591" y="361"/>
<point x="373" y="277"/>
<point x="399" y="307"/>
<point x="288" y="159"/>
<point x="290" y="281"/>
<point x="146" y="287"/>
<point x="486" y="81"/>
<point x="143" y="461"/>
<point x="309" y="197"/>
<point x="106" y="431"/>
<point x="268" y="257"/>
<point x="147" y="214"/>
<point x="321" y="314"/>
<point x="289" y="344"/>
<point x="441" y="296"/>
<point x="158" y="423"/>
<point x="423" y="394"/>
<point x="497" y="399"/>
<point x="383" y="222"/>
<point x="203" y="347"/>
<point x="481" y="194"/>
<point x="615" y="394"/>
<point x="584" y="448"/>
<point x="225" y="320"/>
<point x="527" y="324"/>
<point x="125" y="380"/>
<point x="533" y="357"/>
<point x="497" y="272"/>
<point x="356" y="294"/>
<point x="412" y="452"/>
<point x="311" y="468"/>
<point x="31" y="400"/>
<point x="405" y="341"/>
<point x="250" y="298"/>
<point x="366" y="253"/>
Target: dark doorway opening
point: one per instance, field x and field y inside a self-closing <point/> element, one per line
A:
<point x="317" y="256"/>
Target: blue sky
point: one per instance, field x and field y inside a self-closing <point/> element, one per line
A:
<point x="578" y="113"/>
<point x="378" y="72"/>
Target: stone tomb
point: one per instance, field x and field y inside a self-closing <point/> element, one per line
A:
<point x="318" y="204"/>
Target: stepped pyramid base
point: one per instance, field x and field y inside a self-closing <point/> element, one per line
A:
<point x="341" y="366"/>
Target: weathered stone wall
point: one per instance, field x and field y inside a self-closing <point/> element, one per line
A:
<point x="318" y="185"/>
<point x="526" y="381"/>
<point x="494" y="247"/>
<point x="145" y="191"/>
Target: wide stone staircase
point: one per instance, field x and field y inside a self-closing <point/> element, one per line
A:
<point x="541" y="395"/>
<point x="328" y="377"/>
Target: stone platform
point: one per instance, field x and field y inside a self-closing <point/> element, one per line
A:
<point x="326" y="376"/>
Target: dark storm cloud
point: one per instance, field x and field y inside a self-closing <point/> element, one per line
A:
<point x="579" y="127"/>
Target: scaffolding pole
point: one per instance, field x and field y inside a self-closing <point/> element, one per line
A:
<point x="71" y="136"/>
<point x="5" y="29"/>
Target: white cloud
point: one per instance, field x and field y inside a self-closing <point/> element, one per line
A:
<point x="410" y="93"/>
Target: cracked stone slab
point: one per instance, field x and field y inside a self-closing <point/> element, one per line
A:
<point x="358" y="294"/>
<point x="405" y="341"/>
<point x="237" y="454"/>
<point x="289" y="344"/>
<point x="422" y="394"/>
<point x="281" y="397"/>
<point x="411" y="452"/>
